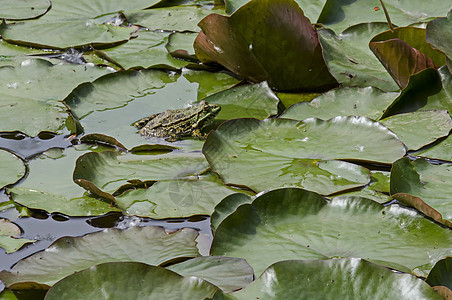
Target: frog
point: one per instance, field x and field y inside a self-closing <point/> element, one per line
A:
<point x="175" y="124"/>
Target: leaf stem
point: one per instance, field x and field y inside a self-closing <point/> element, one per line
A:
<point x="388" y="19"/>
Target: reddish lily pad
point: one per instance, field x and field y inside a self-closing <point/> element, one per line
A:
<point x="267" y="40"/>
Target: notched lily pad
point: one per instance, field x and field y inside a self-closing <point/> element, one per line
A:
<point x="241" y="44"/>
<point x="13" y="168"/>
<point x="336" y="278"/>
<point x="150" y="245"/>
<point x="296" y="224"/>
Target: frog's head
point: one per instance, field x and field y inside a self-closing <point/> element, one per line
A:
<point x="206" y="113"/>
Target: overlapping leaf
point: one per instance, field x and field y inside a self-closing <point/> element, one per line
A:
<point x="250" y="43"/>
<point x="13" y="168"/>
<point x="150" y="245"/>
<point x="296" y="224"/>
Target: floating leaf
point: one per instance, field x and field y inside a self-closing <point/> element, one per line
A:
<point x="176" y="198"/>
<point x="400" y="59"/>
<point x="175" y="18"/>
<point x="341" y="14"/>
<point x="430" y="183"/>
<point x="108" y="170"/>
<point x="441" y="273"/>
<point x="150" y="245"/>
<point x="419" y="128"/>
<point x="350" y="101"/>
<point x="241" y="44"/>
<point x="345" y="278"/>
<point x="226" y="207"/>
<point x="439" y="35"/>
<point x="130" y="280"/>
<point x="296" y="224"/>
<point x="25" y="9"/>
<point x="311" y="8"/>
<point x="13" y="168"/>
<point x="180" y="45"/>
<point x="34" y="89"/>
<point x="351" y="61"/>
<point x="415" y="37"/>
<point x="245" y="101"/>
<point x="227" y="273"/>
<point x="146" y="50"/>
<point x="57" y="193"/>
<point x="9" y="236"/>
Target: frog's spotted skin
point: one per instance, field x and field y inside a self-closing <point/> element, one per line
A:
<point x="177" y="123"/>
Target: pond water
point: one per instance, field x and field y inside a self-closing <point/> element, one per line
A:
<point x="46" y="228"/>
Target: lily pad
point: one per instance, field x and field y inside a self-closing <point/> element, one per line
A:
<point x="57" y="193"/>
<point x="25" y="9"/>
<point x="351" y="61"/>
<point x="245" y="101"/>
<point x="180" y="45"/>
<point x="243" y="152"/>
<point x="175" y="18"/>
<point x="368" y="102"/>
<point x="144" y="51"/>
<point x="226" y="207"/>
<point x="311" y="8"/>
<point x="106" y="172"/>
<point x="439" y="35"/>
<point x="34" y="88"/>
<point x="150" y="245"/>
<point x="241" y="44"/>
<point x="13" y="168"/>
<point x="431" y="183"/>
<point x="9" y="236"/>
<point x="441" y="274"/>
<point x="419" y="128"/>
<point x="341" y="14"/>
<point x="296" y="224"/>
<point x="80" y="23"/>
<point x="196" y="195"/>
<point x="346" y="278"/>
<point x="227" y="273"/>
<point x="130" y="280"/>
<point x="401" y="60"/>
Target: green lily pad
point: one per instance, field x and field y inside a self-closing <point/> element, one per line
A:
<point x="346" y="278"/>
<point x="150" y="245"/>
<point x="430" y="183"/>
<point x="175" y="18"/>
<point x="245" y="101"/>
<point x="144" y="51"/>
<point x="377" y="189"/>
<point x="57" y="193"/>
<point x="9" y="236"/>
<point x="80" y="23"/>
<point x="241" y="44"/>
<point x="34" y="88"/>
<point x="368" y="102"/>
<point x="441" y="273"/>
<point x="130" y="280"/>
<point x="341" y="14"/>
<point x="351" y="61"/>
<point x="311" y="8"/>
<point x="196" y="195"/>
<point x="104" y="173"/>
<point x="439" y="35"/>
<point x="227" y="273"/>
<point x="226" y="207"/>
<point x="180" y="45"/>
<point x="400" y="59"/>
<point x="439" y="151"/>
<point x="296" y="224"/>
<point x="241" y="140"/>
<point x="13" y="168"/>
<point x="25" y="9"/>
<point x="419" y="128"/>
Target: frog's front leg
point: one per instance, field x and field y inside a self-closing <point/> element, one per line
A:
<point x="197" y="133"/>
<point x="141" y="123"/>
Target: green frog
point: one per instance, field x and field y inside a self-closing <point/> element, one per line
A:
<point x="177" y="123"/>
